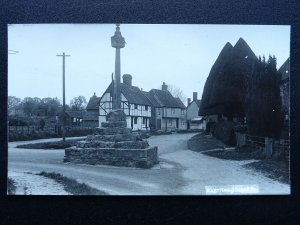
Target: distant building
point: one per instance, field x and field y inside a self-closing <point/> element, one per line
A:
<point x="156" y="109"/>
<point x="74" y="117"/>
<point x="91" y="118"/>
<point x="194" y="121"/>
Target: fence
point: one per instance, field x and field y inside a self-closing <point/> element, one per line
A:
<point x="269" y="146"/>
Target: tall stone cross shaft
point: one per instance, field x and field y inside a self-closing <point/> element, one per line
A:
<point x="117" y="42"/>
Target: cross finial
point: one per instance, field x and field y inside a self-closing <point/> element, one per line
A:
<point x="118" y="27"/>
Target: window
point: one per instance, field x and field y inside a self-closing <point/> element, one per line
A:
<point x="170" y="122"/>
<point x="158" y="111"/>
<point x="146" y="107"/>
<point x="182" y="112"/>
<point x="144" y="120"/>
<point x="173" y="111"/>
<point x="135" y="106"/>
<point x="135" y="120"/>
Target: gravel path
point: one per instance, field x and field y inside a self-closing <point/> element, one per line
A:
<point x="180" y="172"/>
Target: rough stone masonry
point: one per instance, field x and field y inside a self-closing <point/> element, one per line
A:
<point x="113" y="144"/>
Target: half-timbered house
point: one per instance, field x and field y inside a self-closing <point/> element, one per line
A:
<point x="135" y="104"/>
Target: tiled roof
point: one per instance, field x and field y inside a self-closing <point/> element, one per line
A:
<point x="153" y="101"/>
<point x="76" y="114"/>
<point x="165" y="99"/>
<point x="180" y="103"/>
<point x="132" y="93"/>
<point x="93" y="103"/>
<point x="154" y="97"/>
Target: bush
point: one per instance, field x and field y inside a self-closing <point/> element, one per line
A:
<point x="224" y="131"/>
<point x="50" y="145"/>
<point x="43" y="134"/>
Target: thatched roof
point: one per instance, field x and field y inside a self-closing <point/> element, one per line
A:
<point x="224" y="90"/>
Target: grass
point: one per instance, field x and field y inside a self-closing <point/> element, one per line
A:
<point x="71" y="185"/>
<point x="51" y="145"/>
<point x="275" y="169"/>
<point x="272" y="168"/>
<point x="11" y="187"/>
<point x="245" y="153"/>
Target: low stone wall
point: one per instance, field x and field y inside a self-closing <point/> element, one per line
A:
<point x="142" y="158"/>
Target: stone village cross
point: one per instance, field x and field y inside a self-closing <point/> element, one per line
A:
<point x="113" y="142"/>
<point x="117" y="42"/>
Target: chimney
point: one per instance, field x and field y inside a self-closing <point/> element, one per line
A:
<point x="164" y="87"/>
<point x="95" y="94"/>
<point x="195" y="96"/>
<point x="127" y="79"/>
<point x="189" y="101"/>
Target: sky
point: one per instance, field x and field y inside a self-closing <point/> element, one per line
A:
<point x="180" y="55"/>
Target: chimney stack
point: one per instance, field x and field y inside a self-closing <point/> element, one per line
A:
<point x="195" y="96"/>
<point x="127" y="79"/>
<point x="189" y="101"/>
<point x="164" y="87"/>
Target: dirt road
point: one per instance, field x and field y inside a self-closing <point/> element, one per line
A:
<point x="180" y="172"/>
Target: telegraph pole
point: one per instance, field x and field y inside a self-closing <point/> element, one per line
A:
<point x="64" y="98"/>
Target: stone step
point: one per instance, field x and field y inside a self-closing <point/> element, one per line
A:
<point x="117" y="130"/>
<point x="116" y="115"/>
<point x="131" y="144"/>
<point x="142" y="158"/>
<point x="94" y="144"/>
<point x="114" y="124"/>
<point x="115" y="137"/>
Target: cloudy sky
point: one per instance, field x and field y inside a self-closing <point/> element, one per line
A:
<point x="180" y="55"/>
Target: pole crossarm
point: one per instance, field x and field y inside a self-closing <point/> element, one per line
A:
<point x="12" y="52"/>
<point x="63" y="55"/>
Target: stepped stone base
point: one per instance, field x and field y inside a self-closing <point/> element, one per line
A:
<point x="141" y="158"/>
<point x="113" y="144"/>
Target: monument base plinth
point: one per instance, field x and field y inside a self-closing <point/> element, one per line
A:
<point x="141" y="158"/>
<point x="114" y="144"/>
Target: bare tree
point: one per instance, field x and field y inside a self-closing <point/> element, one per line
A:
<point x="78" y="103"/>
<point x="13" y="103"/>
<point x="176" y="92"/>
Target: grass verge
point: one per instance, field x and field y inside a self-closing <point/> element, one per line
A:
<point x="11" y="187"/>
<point x="51" y="145"/>
<point x="244" y="153"/>
<point x="71" y="185"/>
<point x="275" y="169"/>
